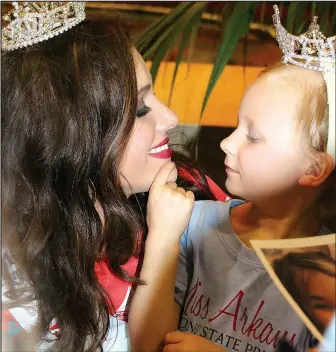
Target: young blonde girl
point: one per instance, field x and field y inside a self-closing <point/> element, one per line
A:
<point x="277" y="160"/>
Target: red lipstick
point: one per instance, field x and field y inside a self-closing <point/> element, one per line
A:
<point x="165" y="141"/>
<point x="161" y="150"/>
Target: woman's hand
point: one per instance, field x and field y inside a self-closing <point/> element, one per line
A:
<point x="169" y="207"/>
<point x="178" y="341"/>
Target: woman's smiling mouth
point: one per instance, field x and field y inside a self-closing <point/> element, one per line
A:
<point x="161" y="151"/>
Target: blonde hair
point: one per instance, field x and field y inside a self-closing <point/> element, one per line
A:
<point x="312" y="118"/>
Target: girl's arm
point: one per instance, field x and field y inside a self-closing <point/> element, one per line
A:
<point x="153" y="312"/>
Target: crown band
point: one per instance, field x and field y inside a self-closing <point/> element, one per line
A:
<point x="313" y="51"/>
<point x="31" y="23"/>
<point x="310" y="50"/>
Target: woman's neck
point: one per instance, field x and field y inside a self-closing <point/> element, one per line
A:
<point x="252" y="222"/>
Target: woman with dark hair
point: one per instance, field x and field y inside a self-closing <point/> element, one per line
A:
<point x="82" y="135"/>
<point x="310" y="278"/>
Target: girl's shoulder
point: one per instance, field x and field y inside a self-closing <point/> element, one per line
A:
<point x="211" y="214"/>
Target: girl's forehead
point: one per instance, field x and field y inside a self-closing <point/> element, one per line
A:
<point x="265" y="102"/>
<point x="272" y="90"/>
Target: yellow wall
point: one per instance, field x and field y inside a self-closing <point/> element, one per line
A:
<point x="189" y="90"/>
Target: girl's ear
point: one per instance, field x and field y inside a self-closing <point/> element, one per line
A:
<point x="318" y="171"/>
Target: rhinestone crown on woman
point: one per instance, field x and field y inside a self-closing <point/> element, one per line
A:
<point x="34" y="22"/>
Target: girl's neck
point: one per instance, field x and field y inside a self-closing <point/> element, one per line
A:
<point x="252" y="222"/>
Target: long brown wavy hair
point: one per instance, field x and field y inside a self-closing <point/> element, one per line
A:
<point x="68" y="109"/>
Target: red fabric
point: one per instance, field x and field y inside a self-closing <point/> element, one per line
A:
<point x="215" y="189"/>
<point x="10" y="326"/>
<point x="117" y="289"/>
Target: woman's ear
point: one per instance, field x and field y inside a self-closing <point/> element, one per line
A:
<point x="318" y="171"/>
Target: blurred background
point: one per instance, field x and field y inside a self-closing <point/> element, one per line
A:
<point x="203" y="55"/>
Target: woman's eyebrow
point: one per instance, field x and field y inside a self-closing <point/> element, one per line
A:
<point x="144" y="88"/>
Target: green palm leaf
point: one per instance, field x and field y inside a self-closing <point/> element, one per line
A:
<point x="333" y="21"/>
<point x="158" y="40"/>
<point x="262" y="11"/>
<point x="324" y="18"/>
<point x="290" y="21"/>
<point x="227" y="12"/>
<point x="237" y="25"/>
<point x="301" y="19"/>
<point x="190" y="32"/>
<point x="313" y="8"/>
<point x="161" y="25"/>
<point x="166" y="28"/>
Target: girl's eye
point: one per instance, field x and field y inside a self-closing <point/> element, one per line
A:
<point x="323" y="306"/>
<point x="251" y="139"/>
<point x="143" y="111"/>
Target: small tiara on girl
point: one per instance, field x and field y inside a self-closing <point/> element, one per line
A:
<point x="34" y="22"/>
<point x="313" y="51"/>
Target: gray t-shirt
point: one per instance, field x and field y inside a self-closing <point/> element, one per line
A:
<point x="224" y="290"/>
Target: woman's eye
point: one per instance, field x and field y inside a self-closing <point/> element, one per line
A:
<point x="144" y="110"/>
<point x="251" y="139"/>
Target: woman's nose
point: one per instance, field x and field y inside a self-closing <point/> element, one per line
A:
<point x="166" y="120"/>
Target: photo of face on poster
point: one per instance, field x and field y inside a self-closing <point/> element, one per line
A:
<point x="305" y="272"/>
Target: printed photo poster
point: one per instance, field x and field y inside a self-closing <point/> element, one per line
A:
<point x="304" y="270"/>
